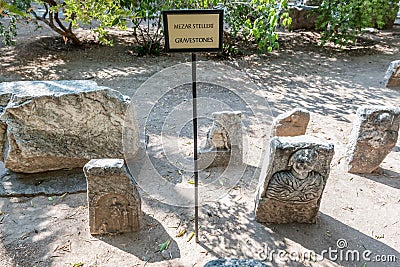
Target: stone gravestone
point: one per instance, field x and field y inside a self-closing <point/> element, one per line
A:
<point x="224" y="144"/>
<point x="52" y="125"/>
<point x="374" y="134"/>
<point x="293" y="179"/>
<point x="392" y="76"/>
<point x="292" y="123"/>
<point x="113" y="200"/>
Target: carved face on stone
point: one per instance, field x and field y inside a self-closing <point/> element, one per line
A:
<point x="384" y="121"/>
<point x="303" y="161"/>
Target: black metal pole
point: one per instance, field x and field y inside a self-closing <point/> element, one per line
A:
<point x="195" y="156"/>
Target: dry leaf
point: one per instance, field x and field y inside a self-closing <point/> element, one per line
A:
<point x="182" y="232"/>
<point x="190" y="237"/>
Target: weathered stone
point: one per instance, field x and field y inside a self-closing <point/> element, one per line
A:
<point x="49" y="183"/>
<point x="235" y="263"/>
<point x="303" y="17"/>
<point x="374" y="134"/>
<point x="53" y="125"/>
<point x="113" y="200"/>
<point x="4" y="99"/>
<point x="292" y="182"/>
<point x="3" y="130"/>
<point x="292" y="123"/>
<point x="224" y="144"/>
<point x="392" y="76"/>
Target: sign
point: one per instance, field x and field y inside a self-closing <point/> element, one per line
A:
<point x="193" y="30"/>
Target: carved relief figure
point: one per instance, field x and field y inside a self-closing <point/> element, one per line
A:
<point x="300" y="183"/>
<point x="112" y="214"/>
<point x="218" y="138"/>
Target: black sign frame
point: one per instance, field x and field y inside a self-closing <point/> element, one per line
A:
<point x="219" y="12"/>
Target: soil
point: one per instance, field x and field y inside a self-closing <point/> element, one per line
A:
<point x="363" y="210"/>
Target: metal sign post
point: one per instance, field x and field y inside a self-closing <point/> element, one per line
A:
<point x="194" y="31"/>
<point x="195" y="155"/>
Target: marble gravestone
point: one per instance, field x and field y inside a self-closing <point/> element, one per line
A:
<point x="392" y="75"/>
<point x="292" y="123"/>
<point x="53" y="125"/>
<point x="224" y="144"/>
<point x="113" y="200"/>
<point x="374" y="134"/>
<point x="292" y="180"/>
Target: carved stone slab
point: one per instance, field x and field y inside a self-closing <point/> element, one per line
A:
<point x="292" y="123"/>
<point x="292" y="180"/>
<point x="392" y="76"/>
<point x="374" y="134"/>
<point x="113" y="200"/>
<point x="224" y="144"/>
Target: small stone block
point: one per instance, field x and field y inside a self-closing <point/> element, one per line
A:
<point x="374" y="134"/>
<point x="292" y="123"/>
<point x="392" y="76"/>
<point x="224" y="144"/>
<point x="113" y="199"/>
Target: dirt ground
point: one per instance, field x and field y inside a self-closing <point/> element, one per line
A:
<point x="361" y="210"/>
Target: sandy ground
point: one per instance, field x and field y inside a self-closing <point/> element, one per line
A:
<point x="363" y="210"/>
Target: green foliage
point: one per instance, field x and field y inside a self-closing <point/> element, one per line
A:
<point x="252" y="20"/>
<point x="257" y="20"/>
<point x="10" y="11"/>
<point x="342" y="21"/>
<point x="103" y="13"/>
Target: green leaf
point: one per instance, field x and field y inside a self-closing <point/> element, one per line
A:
<point x="165" y="245"/>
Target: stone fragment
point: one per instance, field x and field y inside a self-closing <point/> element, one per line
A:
<point x="113" y="200"/>
<point x="303" y="17"/>
<point x="292" y="123"/>
<point x="392" y="76"/>
<point x="235" y="263"/>
<point x="224" y="144"/>
<point x="52" y="125"/>
<point x="293" y="179"/>
<point x="374" y="134"/>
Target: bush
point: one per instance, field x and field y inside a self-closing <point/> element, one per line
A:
<point x="342" y="21"/>
<point x="257" y="20"/>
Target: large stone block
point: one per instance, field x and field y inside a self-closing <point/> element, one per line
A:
<point x="392" y="76"/>
<point x="292" y="180"/>
<point x="374" y="134"/>
<point x="224" y="144"/>
<point x="292" y="123"/>
<point x="53" y="125"/>
<point x="113" y="200"/>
